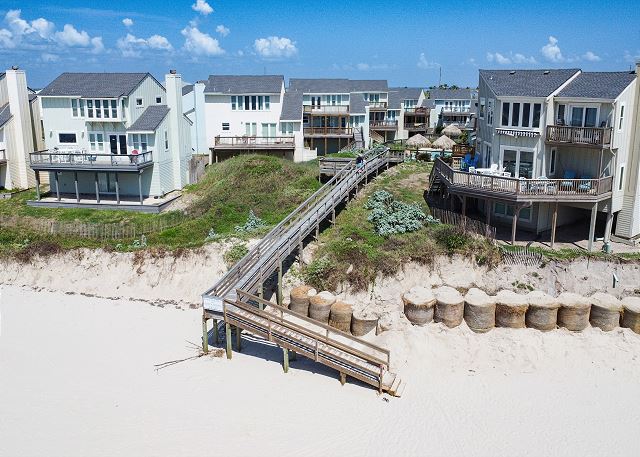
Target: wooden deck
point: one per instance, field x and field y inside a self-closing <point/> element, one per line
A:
<point x="246" y="278"/>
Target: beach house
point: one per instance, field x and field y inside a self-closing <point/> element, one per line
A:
<point x="20" y="130"/>
<point x="452" y="106"/>
<point x="556" y="148"/>
<point x="407" y="110"/>
<point x="113" y="140"/>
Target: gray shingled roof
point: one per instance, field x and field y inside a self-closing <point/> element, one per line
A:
<point x="357" y="104"/>
<point x="187" y="89"/>
<point x="110" y="85"/>
<point x="337" y="86"/>
<point x="291" y="106"/>
<point x="397" y="95"/>
<point x="5" y="114"/>
<point x="603" y="85"/>
<point x="451" y="94"/>
<point x="244" y="84"/>
<point x="526" y="83"/>
<point x="429" y="103"/>
<point x="150" y="119"/>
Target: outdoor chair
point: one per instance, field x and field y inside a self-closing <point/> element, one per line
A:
<point x="568" y="174"/>
<point x="585" y="184"/>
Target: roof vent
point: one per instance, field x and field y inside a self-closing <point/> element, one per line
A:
<point x="546" y="72"/>
<point x="15" y="67"/>
<point x="512" y="72"/>
<point x="173" y="72"/>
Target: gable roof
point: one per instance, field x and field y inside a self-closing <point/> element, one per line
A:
<point x="357" y="104"/>
<point x="337" y="86"/>
<point x="291" y="106"/>
<point x="244" y="84"/>
<point x="150" y="119"/>
<point x="187" y="89"/>
<point x="451" y="94"/>
<point x="399" y="94"/>
<point x="5" y="114"/>
<point x="526" y="83"/>
<point x="111" y="85"/>
<point x="602" y="85"/>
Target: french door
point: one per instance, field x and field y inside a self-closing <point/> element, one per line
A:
<point x="118" y="144"/>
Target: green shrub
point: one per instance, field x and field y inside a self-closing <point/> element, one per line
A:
<point x="235" y="253"/>
<point x="451" y="238"/>
<point x="316" y="273"/>
<point x="390" y="216"/>
<point x="253" y="224"/>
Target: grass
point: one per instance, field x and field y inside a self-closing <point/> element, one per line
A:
<point x="352" y="251"/>
<point x="270" y="186"/>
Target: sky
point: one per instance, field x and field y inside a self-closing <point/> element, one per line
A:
<point x="408" y="43"/>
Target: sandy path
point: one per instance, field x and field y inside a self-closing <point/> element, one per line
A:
<point x="77" y="378"/>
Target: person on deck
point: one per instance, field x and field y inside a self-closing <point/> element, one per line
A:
<point x="360" y="163"/>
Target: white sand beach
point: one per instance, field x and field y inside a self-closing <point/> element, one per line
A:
<point x="77" y="378"/>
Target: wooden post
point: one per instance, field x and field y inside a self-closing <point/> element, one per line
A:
<point x="97" y="188"/>
<point x="343" y="378"/>
<point x="333" y="215"/>
<point x="279" y="291"/>
<point x="592" y="227"/>
<point x="554" y="222"/>
<point x="75" y="181"/>
<point x="215" y="332"/>
<point x="38" y="185"/>
<point x="205" y="336"/>
<point x="285" y="359"/>
<point x="317" y="230"/>
<point x="140" y="186"/>
<point x="608" y="226"/>
<point x="228" y="340"/>
<point x="117" y="189"/>
<point x="238" y="339"/>
<point x="489" y="209"/>
<point x="514" y="224"/>
<point x="464" y="205"/>
<point x="57" y="186"/>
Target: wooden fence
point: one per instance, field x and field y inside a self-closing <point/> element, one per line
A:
<point x="466" y="223"/>
<point x="521" y="255"/>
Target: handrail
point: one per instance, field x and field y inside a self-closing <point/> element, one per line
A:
<point x="88" y="158"/>
<point x="242" y="140"/>
<point x="597" y="136"/>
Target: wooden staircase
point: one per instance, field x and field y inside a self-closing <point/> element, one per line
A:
<point x="375" y="136"/>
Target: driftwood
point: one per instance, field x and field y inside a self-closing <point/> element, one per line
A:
<point x="418" y="305"/>
<point x="542" y="313"/>
<point x="605" y="311"/>
<point x="510" y="309"/>
<point x="449" y="306"/>
<point x="479" y="310"/>
<point x="574" y="311"/>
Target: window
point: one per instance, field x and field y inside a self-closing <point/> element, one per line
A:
<point x="267" y="102"/>
<point x="487" y="154"/>
<point x="158" y="100"/>
<point x="96" y="142"/>
<point x="518" y="162"/>
<point x="515" y="114"/>
<point x="99" y="108"/>
<point x="286" y="128"/>
<point x="620" y="122"/>
<point x="225" y="126"/>
<point x="74" y="107"/>
<point x="505" y="114"/>
<point x="621" y="177"/>
<point x="584" y="116"/>
<point x="490" y="112"/>
<point x="537" y="109"/>
<point x="140" y="142"/>
<point x="552" y="162"/>
<point x="251" y="128"/>
<point x="524" y="115"/>
<point x="139" y="102"/>
<point x="501" y="209"/>
<point x="526" y="112"/>
<point x="234" y="103"/>
<point x="560" y="117"/>
<point x="67" y="138"/>
<point x="269" y="130"/>
<point x="482" y="108"/>
<point x="166" y="141"/>
<point x="114" y="109"/>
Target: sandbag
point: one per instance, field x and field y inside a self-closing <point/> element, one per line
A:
<point x="510" y="309"/>
<point x="362" y="323"/>
<point x="573" y="313"/>
<point x="299" y="299"/>
<point x="320" y="306"/>
<point x="631" y="313"/>
<point x="418" y="305"/>
<point x="542" y="313"/>
<point x="479" y="310"/>
<point x="605" y="311"/>
<point x="340" y="316"/>
<point x="449" y="306"/>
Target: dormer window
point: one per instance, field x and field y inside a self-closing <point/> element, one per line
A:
<point x="158" y="100"/>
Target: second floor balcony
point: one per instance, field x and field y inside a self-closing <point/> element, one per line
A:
<point x="593" y="137"/>
<point x="83" y="161"/>
<point x="328" y="131"/>
<point x="377" y="106"/>
<point x="326" y="109"/>
<point x="254" y="142"/>
<point x="385" y="124"/>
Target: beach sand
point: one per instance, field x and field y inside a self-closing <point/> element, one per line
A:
<point x="77" y="378"/>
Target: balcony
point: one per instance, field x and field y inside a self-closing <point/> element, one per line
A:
<point x="499" y="187"/>
<point x="418" y="110"/>
<point x="254" y="142"/>
<point x="386" y="124"/>
<point x="377" y="106"/>
<point x="591" y="137"/>
<point x="326" y="109"/>
<point x="328" y="131"/>
<point x="416" y="126"/>
<point x="84" y="161"/>
<point x="3" y="156"/>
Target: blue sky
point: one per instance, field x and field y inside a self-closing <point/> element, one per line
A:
<point x="404" y="42"/>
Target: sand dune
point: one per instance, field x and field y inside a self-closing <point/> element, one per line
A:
<point x="77" y="378"/>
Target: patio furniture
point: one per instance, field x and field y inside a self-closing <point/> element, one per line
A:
<point x="568" y="174"/>
<point x="585" y="184"/>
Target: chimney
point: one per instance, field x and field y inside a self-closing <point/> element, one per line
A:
<point x="200" y="145"/>
<point x="18" y="95"/>
<point x="179" y="135"/>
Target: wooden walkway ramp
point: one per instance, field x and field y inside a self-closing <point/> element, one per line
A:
<point x="266" y="258"/>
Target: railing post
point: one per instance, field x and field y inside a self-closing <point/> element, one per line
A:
<point x="205" y="336"/>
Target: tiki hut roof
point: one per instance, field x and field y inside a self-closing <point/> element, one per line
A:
<point x="452" y="130"/>
<point x="444" y="142"/>
<point x="418" y="140"/>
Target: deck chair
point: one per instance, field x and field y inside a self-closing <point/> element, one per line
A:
<point x="585" y="184"/>
<point x="568" y="174"/>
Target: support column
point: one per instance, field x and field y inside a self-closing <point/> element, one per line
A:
<point x="215" y="332"/>
<point x="205" y="336"/>
<point x="75" y="181"/>
<point x="227" y="338"/>
<point x="608" y="226"/>
<point x="489" y="209"/>
<point x="97" y="189"/>
<point x="554" y="223"/>
<point x="592" y="227"/>
<point x="239" y="339"/>
<point x="117" y="189"/>
<point x="57" y="185"/>
<point x="343" y="378"/>
<point x="279" y="291"/>
<point x="140" y="186"/>
<point x="464" y="205"/>
<point x="38" y="185"/>
<point x="285" y="360"/>
<point x="514" y="225"/>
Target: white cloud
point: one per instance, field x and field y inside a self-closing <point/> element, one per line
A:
<point x="48" y="57"/>
<point x="202" y="7"/>
<point x="498" y="58"/>
<point x="551" y="50"/>
<point x="200" y="43"/>
<point x="591" y="56"/>
<point x="131" y="46"/>
<point x="17" y="25"/>
<point x="222" y="30"/>
<point x="6" y="39"/>
<point x="521" y="58"/>
<point x="128" y="22"/>
<point x="43" y="27"/>
<point x="72" y="37"/>
<point x="274" y="47"/>
<point x="628" y="56"/>
<point x="98" y="45"/>
<point x="425" y="64"/>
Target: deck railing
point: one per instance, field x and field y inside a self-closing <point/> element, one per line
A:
<point x="73" y="159"/>
<point x="416" y="110"/>
<point x="328" y="131"/>
<point x="257" y="141"/>
<point x="326" y="109"/>
<point x="416" y="126"/>
<point x="387" y="123"/>
<point x="521" y="187"/>
<point x="377" y="105"/>
<point x="590" y="136"/>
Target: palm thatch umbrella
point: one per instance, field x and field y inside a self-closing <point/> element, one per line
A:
<point x="452" y="130"/>
<point x="444" y="142"/>
<point x="418" y="141"/>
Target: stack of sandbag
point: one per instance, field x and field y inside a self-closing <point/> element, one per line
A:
<point x="573" y="313"/>
<point x="320" y="306"/>
<point x="511" y="309"/>
<point x="418" y="305"/>
<point x="449" y="306"/>
<point x="299" y="299"/>
<point x="479" y="310"/>
<point x="542" y="313"/>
